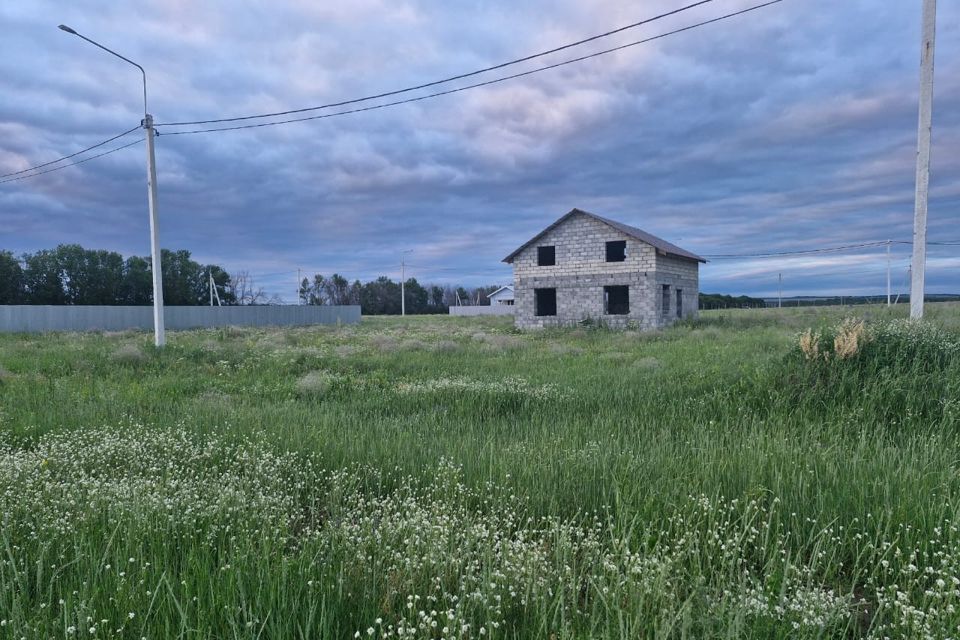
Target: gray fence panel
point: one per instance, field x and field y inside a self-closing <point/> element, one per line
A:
<point x="492" y="310"/>
<point x="41" y="318"/>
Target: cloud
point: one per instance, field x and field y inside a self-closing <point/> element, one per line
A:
<point x="786" y="128"/>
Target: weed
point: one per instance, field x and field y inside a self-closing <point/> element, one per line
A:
<point x="128" y="354"/>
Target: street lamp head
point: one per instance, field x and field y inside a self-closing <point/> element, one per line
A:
<point x="64" y="27"/>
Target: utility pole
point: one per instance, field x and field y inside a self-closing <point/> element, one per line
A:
<point x="403" y="295"/>
<point x="213" y="291"/>
<point x="924" y="125"/>
<point x="210" y="283"/>
<point x="159" y="334"/>
<point x="779" y="290"/>
<point x="888" y="273"/>
<point x="299" y="284"/>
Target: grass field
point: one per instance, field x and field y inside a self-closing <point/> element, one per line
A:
<point x="449" y="477"/>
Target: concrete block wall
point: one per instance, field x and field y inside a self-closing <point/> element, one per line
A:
<point x="581" y="272"/>
<point x="681" y="274"/>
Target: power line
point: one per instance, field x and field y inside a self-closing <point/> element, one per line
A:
<point x="464" y="88"/>
<point x="434" y="83"/>
<point x="72" y="164"/>
<point x="846" y="247"/>
<point x="72" y="155"/>
<point x="775" y="254"/>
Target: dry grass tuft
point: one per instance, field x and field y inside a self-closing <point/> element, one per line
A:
<point x="315" y="384"/>
<point x="125" y="333"/>
<point x="214" y="397"/>
<point x="345" y="350"/>
<point x="6" y="375"/>
<point x="810" y="345"/>
<point x="565" y="350"/>
<point x="446" y="346"/>
<point x="128" y="354"/>
<point x="647" y="363"/>
<point x="414" y="345"/>
<point x="233" y="331"/>
<point x="386" y="344"/>
<point x="850" y="338"/>
<point x="498" y="342"/>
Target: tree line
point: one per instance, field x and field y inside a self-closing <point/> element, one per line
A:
<point x="722" y="301"/>
<point x="383" y="295"/>
<point x="71" y="274"/>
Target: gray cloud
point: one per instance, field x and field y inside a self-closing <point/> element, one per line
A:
<point x="786" y="128"/>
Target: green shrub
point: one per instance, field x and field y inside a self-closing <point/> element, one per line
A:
<point x="891" y="370"/>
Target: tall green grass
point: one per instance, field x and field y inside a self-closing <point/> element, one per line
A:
<point x="703" y="481"/>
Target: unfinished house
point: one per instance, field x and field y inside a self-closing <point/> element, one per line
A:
<point x="587" y="268"/>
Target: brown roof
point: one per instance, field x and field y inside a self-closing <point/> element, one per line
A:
<point x="633" y="232"/>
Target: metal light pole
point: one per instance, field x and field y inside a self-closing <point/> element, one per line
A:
<point x="159" y="334"/>
<point x="403" y="296"/>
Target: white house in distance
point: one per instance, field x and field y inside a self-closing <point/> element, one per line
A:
<point x="503" y="295"/>
<point x="501" y="304"/>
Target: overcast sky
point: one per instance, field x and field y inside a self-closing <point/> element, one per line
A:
<point x="788" y="128"/>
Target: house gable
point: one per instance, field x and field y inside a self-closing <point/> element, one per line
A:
<point x="662" y="246"/>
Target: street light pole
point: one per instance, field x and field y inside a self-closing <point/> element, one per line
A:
<point x="159" y="334"/>
<point x="403" y="293"/>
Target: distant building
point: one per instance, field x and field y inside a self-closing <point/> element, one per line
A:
<point x="585" y="267"/>
<point x="503" y="295"/>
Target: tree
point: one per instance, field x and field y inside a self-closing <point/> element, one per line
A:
<point x="43" y="278"/>
<point x="137" y="285"/>
<point x="315" y="292"/>
<point x="356" y="289"/>
<point x="436" y="297"/>
<point x="244" y="290"/>
<point x="90" y="276"/>
<point x="380" y="297"/>
<point x="184" y="280"/>
<point x="416" y="296"/>
<point x="338" y="289"/>
<point x="11" y="279"/>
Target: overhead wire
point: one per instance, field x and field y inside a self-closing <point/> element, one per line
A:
<point x="434" y="83"/>
<point x="72" y="164"/>
<point x="470" y="86"/>
<point x="777" y="254"/>
<point x="72" y="155"/>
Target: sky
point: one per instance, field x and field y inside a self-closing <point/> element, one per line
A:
<point x="791" y="127"/>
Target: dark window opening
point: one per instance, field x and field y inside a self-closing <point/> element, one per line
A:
<point x="666" y="300"/>
<point x="546" y="256"/>
<point x="679" y="303"/>
<point x="616" y="251"/>
<point x="616" y="300"/>
<point x="545" y="301"/>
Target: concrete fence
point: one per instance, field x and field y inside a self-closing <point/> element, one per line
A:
<point x="492" y="310"/>
<point x="40" y="318"/>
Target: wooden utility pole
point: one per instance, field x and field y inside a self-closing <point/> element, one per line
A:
<point x="923" y="159"/>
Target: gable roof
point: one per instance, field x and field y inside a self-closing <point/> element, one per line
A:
<point x="506" y="286"/>
<point x="659" y="243"/>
